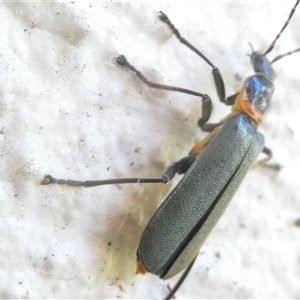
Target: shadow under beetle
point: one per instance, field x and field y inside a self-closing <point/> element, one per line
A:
<point x="214" y="168"/>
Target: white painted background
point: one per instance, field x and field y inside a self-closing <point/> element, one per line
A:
<point x="66" y="109"/>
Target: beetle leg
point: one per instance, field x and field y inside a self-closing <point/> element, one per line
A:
<point x="180" y="281"/>
<point x="48" y="179"/>
<point x="183" y="164"/>
<point x="230" y="100"/>
<point x="206" y="101"/>
<point x="219" y="83"/>
<point x="179" y="167"/>
<point x="264" y="161"/>
<point x="209" y="127"/>
<point x="218" y="79"/>
<point x="122" y="61"/>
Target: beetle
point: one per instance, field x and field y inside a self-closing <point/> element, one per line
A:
<point x="214" y="168"/>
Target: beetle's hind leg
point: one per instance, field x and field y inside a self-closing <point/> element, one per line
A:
<point x="183" y="164"/>
<point x="180" y="281"/>
<point x="179" y="167"/>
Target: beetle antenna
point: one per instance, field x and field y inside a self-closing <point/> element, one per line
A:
<point x="285" y="54"/>
<point x="252" y="49"/>
<point x="282" y="29"/>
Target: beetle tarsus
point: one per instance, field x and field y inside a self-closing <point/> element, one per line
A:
<point x="48" y="179"/>
<point x="121" y="60"/>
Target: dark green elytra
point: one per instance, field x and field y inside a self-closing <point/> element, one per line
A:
<point x="182" y="223"/>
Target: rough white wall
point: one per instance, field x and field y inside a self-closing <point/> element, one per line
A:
<point x="68" y="110"/>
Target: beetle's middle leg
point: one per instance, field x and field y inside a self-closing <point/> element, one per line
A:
<point x="264" y="162"/>
<point x="206" y="101"/>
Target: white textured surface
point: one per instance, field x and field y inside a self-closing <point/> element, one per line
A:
<point x="66" y="109"/>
